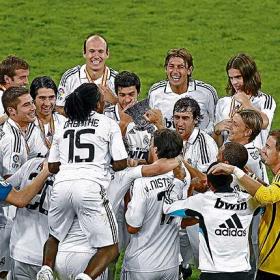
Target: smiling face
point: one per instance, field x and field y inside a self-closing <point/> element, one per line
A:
<point x="96" y="54"/>
<point x="239" y="133"/>
<point x="24" y="112"/>
<point x="236" y="79"/>
<point x="45" y="101"/>
<point x="177" y="72"/>
<point x="127" y="95"/>
<point x="20" y="79"/>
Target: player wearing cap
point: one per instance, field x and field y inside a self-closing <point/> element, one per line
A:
<point x="164" y="94"/>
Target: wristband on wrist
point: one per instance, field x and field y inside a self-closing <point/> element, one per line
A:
<point x="238" y="172"/>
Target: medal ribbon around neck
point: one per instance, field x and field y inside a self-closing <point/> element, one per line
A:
<point x="47" y="139"/>
<point x="104" y="76"/>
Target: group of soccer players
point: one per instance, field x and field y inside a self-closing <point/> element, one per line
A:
<point x="161" y="179"/>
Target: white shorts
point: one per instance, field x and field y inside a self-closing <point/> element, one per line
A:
<point x="168" y="274"/>
<point x="68" y="265"/>
<point x="24" y="271"/>
<point x="89" y="202"/>
<point x="5" y="234"/>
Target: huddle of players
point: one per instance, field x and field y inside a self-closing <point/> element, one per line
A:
<point x="179" y="102"/>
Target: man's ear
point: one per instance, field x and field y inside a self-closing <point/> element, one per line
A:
<point x="11" y="111"/>
<point x="248" y="132"/>
<point x="7" y="79"/>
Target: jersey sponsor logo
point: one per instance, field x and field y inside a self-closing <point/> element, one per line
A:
<point x="169" y="123"/>
<point x="229" y="206"/>
<point x="139" y="153"/>
<point x="231" y="227"/>
<point x="131" y="131"/>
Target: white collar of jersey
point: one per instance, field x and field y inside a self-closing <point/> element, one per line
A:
<point x="13" y="123"/>
<point x="193" y="136"/>
<point x="191" y="87"/>
<point x="83" y="75"/>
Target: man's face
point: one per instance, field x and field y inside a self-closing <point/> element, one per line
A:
<point x="177" y="71"/>
<point x="127" y="95"/>
<point x="184" y="123"/>
<point x="236" y="79"/>
<point x="25" y="111"/>
<point x="19" y="80"/>
<point x="270" y="155"/>
<point x="239" y="133"/>
<point x="45" y="101"/>
<point x="96" y="54"/>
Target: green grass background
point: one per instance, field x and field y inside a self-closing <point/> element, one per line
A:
<point x="50" y="34"/>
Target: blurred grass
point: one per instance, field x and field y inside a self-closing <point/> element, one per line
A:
<point x="49" y="35"/>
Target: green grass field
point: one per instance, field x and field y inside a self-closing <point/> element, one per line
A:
<point x="49" y="35"/>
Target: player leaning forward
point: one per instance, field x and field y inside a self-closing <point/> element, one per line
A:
<point x="84" y="147"/>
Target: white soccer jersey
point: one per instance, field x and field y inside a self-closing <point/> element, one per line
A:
<point x="255" y="163"/>
<point x="200" y="150"/>
<point x="13" y="152"/>
<point x="163" y="98"/>
<point x="263" y="102"/>
<point x="76" y="76"/>
<point x="224" y="226"/>
<point x="137" y="141"/>
<point x="85" y="149"/>
<point x="30" y="229"/>
<point x="156" y="246"/>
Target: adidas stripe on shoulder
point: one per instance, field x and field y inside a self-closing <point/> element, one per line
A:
<point x="158" y="85"/>
<point x="211" y="89"/>
<point x="69" y="73"/>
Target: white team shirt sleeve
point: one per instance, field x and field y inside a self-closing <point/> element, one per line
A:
<point x="136" y="209"/>
<point x="64" y="89"/>
<point x="179" y="208"/>
<point x="117" y="148"/>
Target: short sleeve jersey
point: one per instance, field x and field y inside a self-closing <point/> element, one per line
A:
<point x="76" y="76"/>
<point x="224" y="221"/>
<point x="156" y="246"/>
<point x="30" y="229"/>
<point x="86" y="148"/>
<point x="163" y="98"/>
<point x="263" y="102"/>
<point x="200" y="150"/>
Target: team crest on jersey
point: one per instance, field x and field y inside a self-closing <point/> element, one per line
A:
<point x="61" y="93"/>
<point x="146" y="140"/>
<point x="15" y="158"/>
<point x="255" y="155"/>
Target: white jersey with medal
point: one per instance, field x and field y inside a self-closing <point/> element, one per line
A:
<point x="163" y="98"/>
<point x="76" y="76"/>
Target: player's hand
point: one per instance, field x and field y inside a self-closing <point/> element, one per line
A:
<point x="45" y="168"/>
<point x="155" y="117"/>
<point x="132" y="162"/>
<point x="197" y="185"/>
<point x="221" y="168"/>
<point x="179" y="172"/>
<point x="224" y="125"/>
<point x="108" y="95"/>
<point x="242" y="98"/>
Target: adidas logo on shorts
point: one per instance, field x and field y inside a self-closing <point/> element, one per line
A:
<point x="231" y="227"/>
